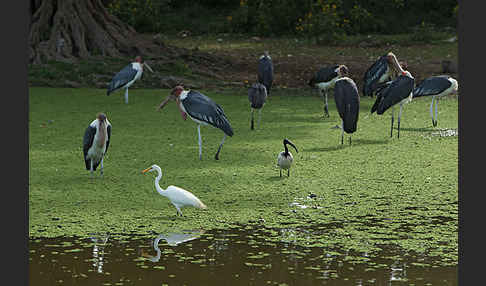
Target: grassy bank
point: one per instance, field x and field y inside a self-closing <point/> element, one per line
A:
<point x="379" y="190"/>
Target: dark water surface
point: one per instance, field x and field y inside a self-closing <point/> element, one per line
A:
<point x="238" y="256"/>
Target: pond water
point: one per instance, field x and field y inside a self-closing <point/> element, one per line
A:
<point x="236" y="256"/>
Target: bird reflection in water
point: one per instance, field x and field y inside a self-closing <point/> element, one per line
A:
<point x="172" y="239"/>
<point x="99" y="250"/>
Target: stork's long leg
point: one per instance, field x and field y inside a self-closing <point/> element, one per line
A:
<point x="101" y="169"/>
<point x="280" y="172"/>
<point x="349" y="139"/>
<point x="199" y="141"/>
<point x="436" y="104"/>
<point x="399" y="116"/>
<point x="342" y="132"/>
<point x="326" y="111"/>
<point x="288" y="172"/>
<point x="391" y="129"/>
<point x="219" y="148"/>
<point x="91" y="168"/>
<point x="252" y="125"/>
<point x="432" y="110"/>
<point x="259" y="116"/>
<point x="126" y="95"/>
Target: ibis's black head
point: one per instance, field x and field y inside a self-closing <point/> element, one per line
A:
<point x="101" y="117"/>
<point x="287" y="141"/>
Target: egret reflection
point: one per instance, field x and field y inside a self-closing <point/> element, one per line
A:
<point x="172" y="239"/>
<point x="99" y="251"/>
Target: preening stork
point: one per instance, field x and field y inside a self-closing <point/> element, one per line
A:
<point x="127" y="76"/>
<point x="437" y="87"/>
<point x="178" y="197"/>
<point x="398" y="91"/>
<point x="285" y="158"/>
<point x="325" y="79"/>
<point x="265" y="71"/>
<point x="346" y="97"/>
<point x="202" y="110"/>
<point x="383" y="70"/>
<point x="257" y="95"/>
<point x="96" y="141"/>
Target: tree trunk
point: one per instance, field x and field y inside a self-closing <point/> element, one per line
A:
<point x="69" y="29"/>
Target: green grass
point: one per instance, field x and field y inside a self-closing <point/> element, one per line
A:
<point x="379" y="190"/>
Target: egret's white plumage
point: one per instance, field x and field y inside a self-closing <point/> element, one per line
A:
<point x="178" y="196"/>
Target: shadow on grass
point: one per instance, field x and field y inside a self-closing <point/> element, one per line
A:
<point x="419" y="129"/>
<point x="355" y="142"/>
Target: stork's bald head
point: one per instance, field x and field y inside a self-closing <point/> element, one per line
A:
<point x="176" y="91"/>
<point x="101" y="116"/>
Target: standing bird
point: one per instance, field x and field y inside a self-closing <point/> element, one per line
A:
<point x="257" y="95"/>
<point x="95" y="142"/>
<point x="400" y="91"/>
<point x="383" y="70"/>
<point x="127" y="76"/>
<point x="346" y="97"/>
<point x="325" y="79"/>
<point x="265" y="71"/>
<point x="202" y="110"/>
<point x="178" y="197"/>
<point x="437" y="87"/>
<point x="285" y="158"/>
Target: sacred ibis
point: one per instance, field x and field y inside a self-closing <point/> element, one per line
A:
<point x="127" y="76"/>
<point x="437" y="87"/>
<point x="178" y="197"/>
<point x="346" y="97"/>
<point x="383" y="70"/>
<point x="257" y="95"/>
<point x="265" y="71"/>
<point x="96" y="140"/>
<point x="285" y="158"/>
<point x="202" y="110"/>
<point x="324" y="80"/>
<point x="397" y="91"/>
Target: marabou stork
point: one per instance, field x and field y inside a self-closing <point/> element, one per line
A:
<point x="285" y="158"/>
<point x="383" y="70"/>
<point x="399" y="90"/>
<point x="325" y="79"/>
<point x="95" y="142"/>
<point x="437" y="87"/>
<point x="127" y="76"/>
<point x="178" y="197"/>
<point x="202" y="110"/>
<point x="265" y="71"/>
<point x="346" y="97"/>
<point x="257" y="95"/>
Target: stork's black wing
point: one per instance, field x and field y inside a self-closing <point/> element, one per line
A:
<point x="373" y="74"/>
<point x="265" y="72"/>
<point x="324" y="74"/>
<point x="346" y="97"/>
<point x="399" y="89"/>
<point x="257" y="95"/>
<point x="121" y="78"/>
<point x="88" y="138"/>
<point x="205" y="109"/>
<point x="108" y="129"/>
<point x="381" y="89"/>
<point x="432" y="86"/>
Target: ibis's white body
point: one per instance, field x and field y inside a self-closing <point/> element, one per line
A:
<point x="285" y="161"/>
<point x="98" y="148"/>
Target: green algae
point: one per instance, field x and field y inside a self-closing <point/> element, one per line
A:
<point x="377" y="191"/>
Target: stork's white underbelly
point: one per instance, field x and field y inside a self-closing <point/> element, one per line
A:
<point x="283" y="161"/>
<point x="95" y="152"/>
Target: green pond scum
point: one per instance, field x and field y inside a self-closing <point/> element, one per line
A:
<point x="378" y="191"/>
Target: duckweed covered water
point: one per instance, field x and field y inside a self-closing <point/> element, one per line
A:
<point x="246" y="255"/>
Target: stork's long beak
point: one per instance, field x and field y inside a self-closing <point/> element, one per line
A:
<point x="146" y="170"/>
<point x="148" y="67"/>
<point x="164" y="102"/>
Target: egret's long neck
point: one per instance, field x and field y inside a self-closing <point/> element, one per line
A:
<point x="157" y="186"/>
